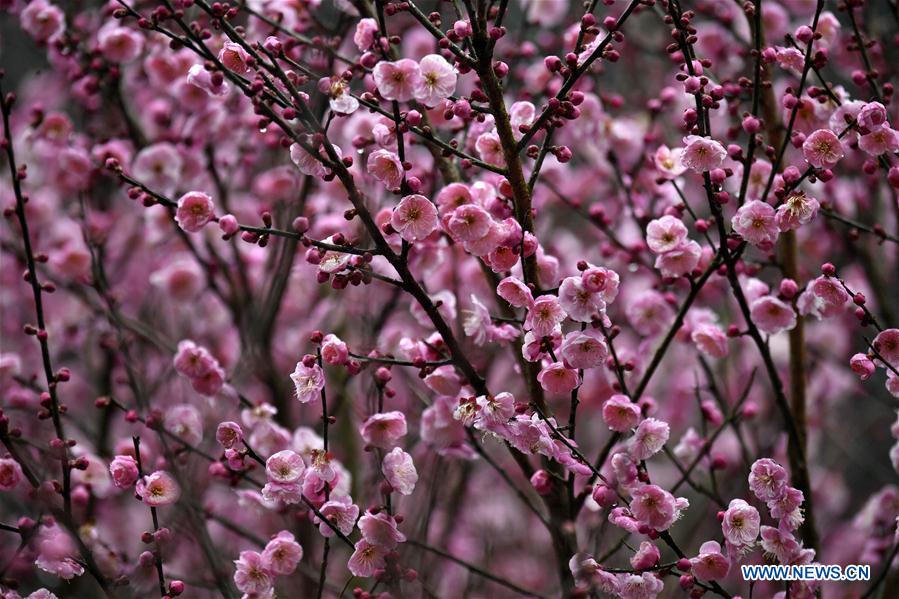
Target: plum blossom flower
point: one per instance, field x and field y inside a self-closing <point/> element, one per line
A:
<point x="702" y="154"/>
<point x="556" y="378"/>
<point x="119" y="44"/>
<point x="649" y="438"/>
<point x="228" y="434"/>
<point x="308" y="163"/>
<point x="771" y="315"/>
<point x="880" y="141"/>
<point x="399" y="470"/>
<point x="710" y="564"/>
<point x="580" y="304"/>
<point x="124" y="472"/>
<point x="158" y="166"/>
<point x="43" y="21"/>
<point x="679" y="261"/>
<point x="198" y="76"/>
<point x="386" y="167"/>
<point x="309" y="381"/>
<point x="740" y="524"/>
<point x="710" y="340"/>
<point x="437" y="81"/>
<point x="655" y="507"/>
<point x="872" y="116"/>
<point x="284" y="467"/>
<point x="334" y="350"/>
<point x="494" y="411"/>
<point x="669" y="162"/>
<point x="887" y="345"/>
<point x="544" y="316"/>
<point x="286" y="493"/>
<point x="647" y="556"/>
<point x="755" y="223"/>
<point x="545" y="13"/>
<point x="367" y="558"/>
<point x="642" y="586"/>
<point x="192" y="360"/>
<point x="796" y="210"/>
<point x="786" y="508"/>
<point x="602" y="281"/>
<point x="282" y="554"/>
<point x="621" y="414"/>
<point x="490" y="148"/>
<point x="10" y="474"/>
<point x="479" y="325"/>
<point x="665" y="234"/>
<point x="521" y="114"/>
<point x="397" y="80"/>
<point x="235" y="58"/>
<point x="158" y="489"/>
<point x="514" y="291"/>
<point x="381" y="529"/>
<point x="862" y="365"/>
<point x="822" y="149"/>
<point x="341" y="512"/>
<point x="780" y="544"/>
<point x="195" y="209"/>
<point x="184" y="421"/>
<point x="365" y="34"/>
<point x="181" y="279"/>
<point x="251" y="574"/>
<point x="383" y="429"/>
<point x="584" y="349"/>
<point x="444" y="380"/>
<point x="340" y="99"/>
<point x="414" y="218"/>
<point x="649" y="313"/>
<point x="56" y="552"/>
<point x="790" y="58"/>
<point x="469" y="223"/>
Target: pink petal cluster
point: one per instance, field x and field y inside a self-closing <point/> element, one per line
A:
<point x="200" y="367"/>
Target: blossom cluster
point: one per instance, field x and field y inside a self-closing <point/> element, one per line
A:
<point x="411" y="298"/>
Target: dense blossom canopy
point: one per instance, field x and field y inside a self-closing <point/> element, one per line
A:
<point x="424" y="298"/>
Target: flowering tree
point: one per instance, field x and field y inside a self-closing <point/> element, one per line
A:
<point x="448" y="299"/>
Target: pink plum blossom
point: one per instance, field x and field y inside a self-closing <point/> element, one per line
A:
<point x="822" y="149"/>
<point x="796" y="210"/>
<point x="771" y="315"/>
<point x="665" y="234"/>
<point x="755" y="222"/>
<point x="740" y="524"/>
<point x="655" y="507"/>
<point x="158" y="489"/>
<point x="123" y="469"/>
<point x="702" y="154"/>
<point x="669" y="162"/>
<point x="386" y="167"/>
<point x="620" y="413"/>
<point x="195" y="209"/>
<point x="556" y="378"/>
<point x="710" y="564"/>
<point x="366" y="559"/>
<point x="10" y="474"/>
<point x="399" y="470"/>
<point x="308" y="381"/>
<point x="399" y="80"/>
<point x="436" y="83"/>
<point x="384" y="429"/>
<point x="415" y="217"/>
<point x="282" y="554"/>
<point x="649" y="438"/>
